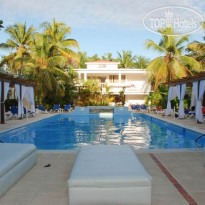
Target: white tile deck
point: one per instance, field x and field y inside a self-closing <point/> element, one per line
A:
<point x="48" y="186"/>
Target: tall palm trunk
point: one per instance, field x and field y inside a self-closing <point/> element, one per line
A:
<point x="168" y="59"/>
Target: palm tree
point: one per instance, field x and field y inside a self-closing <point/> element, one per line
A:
<point x="196" y="49"/>
<point x="141" y="62"/>
<point x="172" y="64"/>
<point x="126" y="59"/>
<point x="94" y="58"/>
<point x="57" y="33"/>
<point x="1" y="26"/>
<point x="82" y="59"/>
<point x="20" y="40"/>
<point x="46" y="68"/>
<point x="107" y="56"/>
<point x="93" y="87"/>
<point x="108" y="97"/>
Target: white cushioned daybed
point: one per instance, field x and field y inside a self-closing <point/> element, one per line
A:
<point x="15" y="161"/>
<point x="108" y="174"/>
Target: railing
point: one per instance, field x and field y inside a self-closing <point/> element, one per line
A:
<point x="128" y="90"/>
<point x="196" y="140"/>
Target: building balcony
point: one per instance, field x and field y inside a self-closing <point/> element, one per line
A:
<point x="145" y="89"/>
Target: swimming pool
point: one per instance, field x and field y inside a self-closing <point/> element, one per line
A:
<point x="65" y="132"/>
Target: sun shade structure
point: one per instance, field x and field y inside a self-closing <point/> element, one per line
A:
<point x="197" y="82"/>
<point x="24" y="90"/>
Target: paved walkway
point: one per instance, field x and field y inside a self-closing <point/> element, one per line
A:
<point x="188" y="123"/>
<point x="48" y="186"/>
<point x="178" y="177"/>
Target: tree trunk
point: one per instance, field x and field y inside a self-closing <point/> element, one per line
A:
<point x="168" y="61"/>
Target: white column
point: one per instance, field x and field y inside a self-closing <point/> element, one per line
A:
<point x="107" y="79"/>
<point x="119" y="76"/>
<point x="85" y="76"/>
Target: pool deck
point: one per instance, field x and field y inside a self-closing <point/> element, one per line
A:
<point x="178" y="177"/>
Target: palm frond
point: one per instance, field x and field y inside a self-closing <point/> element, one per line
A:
<point x="154" y="46"/>
<point x="191" y="62"/>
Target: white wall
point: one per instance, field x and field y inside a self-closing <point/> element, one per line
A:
<point x="134" y="99"/>
<point x="137" y="77"/>
<point x="94" y="66"/>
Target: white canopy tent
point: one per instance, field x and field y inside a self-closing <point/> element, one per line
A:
<point x="27" y="93"/>
<point x="197" y="83"/>
<point x="21" y="86"/>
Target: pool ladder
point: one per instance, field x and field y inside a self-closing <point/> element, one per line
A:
<point x="196" y="143"/>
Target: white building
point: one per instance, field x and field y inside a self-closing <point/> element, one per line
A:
<point x="134" y="82"/>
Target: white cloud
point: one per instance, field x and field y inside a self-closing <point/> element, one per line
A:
<point x="86" y="13"/>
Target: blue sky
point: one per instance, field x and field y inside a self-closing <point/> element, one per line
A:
<point x="100" y="26"/>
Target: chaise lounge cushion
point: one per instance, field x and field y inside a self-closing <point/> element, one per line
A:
<point x="110" y="170"/>
<point x="15" y="161"/>
<point x="12" y="154"/>
<point x="108" y="175"/>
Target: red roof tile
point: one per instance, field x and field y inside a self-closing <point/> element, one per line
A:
<point x="102" y="61"/>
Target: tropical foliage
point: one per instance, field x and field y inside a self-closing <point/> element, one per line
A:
<point x="157" y="98"/>
<point x="46" y="57"/>
<point x="19" y="42"/>
<point x="59" y="43"/>
<point x="92" y="93"/>
<point x="141" y="62"/>
<point x="108" y="56"/>
<point x="126" y="59"/>
<point x="196" y="49"/>
<point x="172" y="64"/>
<point x="1" y="26"/>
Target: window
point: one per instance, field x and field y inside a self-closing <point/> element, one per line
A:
<point x="113" y="78"/>
<point x="103" y="79"/>
<point x="123" y="78"/>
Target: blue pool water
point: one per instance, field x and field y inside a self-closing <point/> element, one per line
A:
<point x="65" y="132"/>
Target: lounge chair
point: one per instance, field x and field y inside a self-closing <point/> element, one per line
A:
<point x="28" y="113"/>
<point x="189" y="114"/>
<point x="57" y="108"/>
<point x="143" y="107"/>
<point x="42" y="109"/>
<point x="8" y="115"/>
<point x="135" y="107"/>
<point x="109" y="174"/>
<point x="16" y="160"/>
<point x="14" y="111"/>
<point x="67" y="107"/>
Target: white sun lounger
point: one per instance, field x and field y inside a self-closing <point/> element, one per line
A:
<point x="15" y="161"/>
<point x="108" y="175"/>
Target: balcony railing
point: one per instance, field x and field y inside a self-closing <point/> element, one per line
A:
<point x="127" y="90"/>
